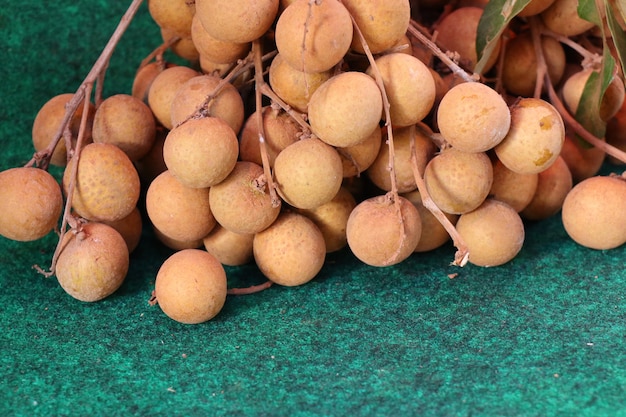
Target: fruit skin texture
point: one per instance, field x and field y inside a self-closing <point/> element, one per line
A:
<point x="308" y="173"/>
<point x="535" y="138"/>
<point x="107" y="184"/>
<point x="191" y="286"/>
<point x="593" y="212"/>
<point x="378" y="236"/>
<point x="92" y="263"/>
<point x="314" y="37"/>
<point x="291" y="251"/>
<point x="494" y="233"/>
<point x="201" y="152"/>
<point x="346" y="109"/>
<point x="31" y="203"/>
<point x="473" y="117"/>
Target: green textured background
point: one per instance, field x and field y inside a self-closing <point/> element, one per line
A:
<point x="542" y="336"/>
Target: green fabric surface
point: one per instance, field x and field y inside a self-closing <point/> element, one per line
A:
<point x="543" y="335"/>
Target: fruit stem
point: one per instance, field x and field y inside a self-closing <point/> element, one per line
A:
<point x="462" y="255"/>
<point x="43" y="157"/>
<point x="456" y="69"/>
<point x="250" y="290"/>
<point x="258" y="81"/>
<point x="542" y="67"/>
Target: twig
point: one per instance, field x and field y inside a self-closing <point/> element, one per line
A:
<point x="250" y="290"/>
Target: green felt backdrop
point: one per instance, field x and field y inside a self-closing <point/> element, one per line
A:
<point x="541" y="336"/>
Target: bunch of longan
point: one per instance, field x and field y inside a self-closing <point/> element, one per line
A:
<point x="298" y="128"/>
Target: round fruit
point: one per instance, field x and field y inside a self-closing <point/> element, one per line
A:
<point x="308" y="173"/>
<point x="383" y="232"/>
<point x="382" y="23"/>
<point x="215" y="50"/>
<point x="164" y="88"/>
<point x="314" y="36"/>
<point x="93" y="262"/>
<point x="346" y="109"/>
<point x="433" y="234"/>
<point x="201" y="152"/>
<point x="47" y="123"/>
<point x="241" y="203"/>
<point x="191" y="286"/>
<point x="180" y="213"/>
<point x="31" y="203"/>
<point x="472" y="117"/>
<point x="535" y="138"/>
<point x="106" y="186"/>
<point x="583" y="160"/>
<point x="562" y="17"/>
<point x="228" y="247"/>
<point x="517" y="190"/>
<point x="291" y="251"/>
<point x="359" y="157"/>
<point x="126" y="122"/>
<point x="457" y="181"/>
<point x="494" y="233"/>
<point x="409" y="85"/>
<point x="612" y="99"/>
<point x="238" y="21"/>
<point x="130" y="227"/>
<point x="553" y="185"/>
<point x="174" y="15"/>
<point x="593" y="212"/>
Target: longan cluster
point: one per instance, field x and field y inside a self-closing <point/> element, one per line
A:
<point x="299" y="128"/>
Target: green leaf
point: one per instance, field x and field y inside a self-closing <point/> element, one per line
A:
<point x="587" y="10"/>
<point x="495" y="18"/>
<point x="616" y="25"/>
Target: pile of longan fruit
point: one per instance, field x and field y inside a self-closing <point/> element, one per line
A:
<point x="288" y="129"/>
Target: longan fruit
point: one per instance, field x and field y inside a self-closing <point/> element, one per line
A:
<point x="295" y="87"/>
<point x="308" y="173"/>
<point x="174" y="15"/>
<point x="382" y="231"/>
<point x="201" y="152"/>
<point x="583" y="161"/>
<point x="611" y="102"/>
<point x="346" y="109"/>
<point x="458" y="181"/>
<point x="144" y="77"/>
<point x="164" y="88"/>
<point x="494" y="233"/>
<point x="228" y="247"/>
<point x="215" y="50"/>
<point x="535" y="138"/>
<point x="425" y="150"/>
<point x="106" y="186"/>
<point x="179" y="212"/>
<point x="562" y="17"/>
<point x="130" y="227"/>
<point x="126" y="122"/>
<point x="409" y="85"/>
<point x="291" y="251"/>
<point x="238" y="21"/>
<point x="93" y="262"/>
<point x="191" y="286"/>
<point x="473" y="117"/>
<point x="31" y="203"/>
<point x="177" y="244"/>
<point x="280" y="129"/>
<point x="553" y="185"/>
<point x="517" y="190"/>
<point x="616" y="133"/>
<point x="519" y="66"/>
<point x="382" y="23"/>
<point x="358" y="158"/>
<point x="152" y="164"/>
<point x="332" y="218"/>
<point x="593" y="212"/>
<point x="47" y="123"/>
<point x="242" y="203"/>
<point x="314" y="36"/>
<point x="182" y="47"/>
<point x="227" y="104"/>
<point x="434" y="234"/>
<point x="456" y="32"/>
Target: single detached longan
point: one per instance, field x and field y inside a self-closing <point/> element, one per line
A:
<point x="191" y="286"/>
<point x="593" y="212"/>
